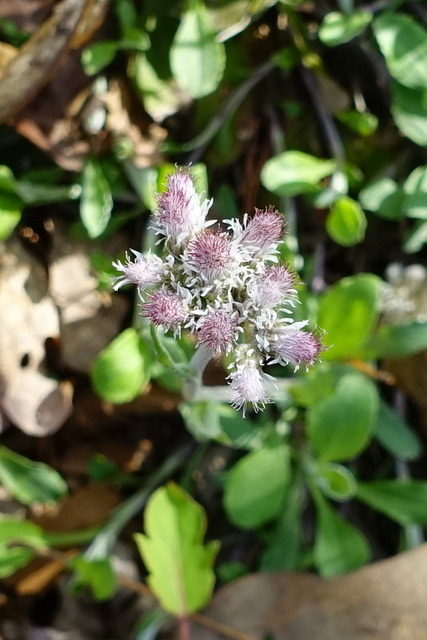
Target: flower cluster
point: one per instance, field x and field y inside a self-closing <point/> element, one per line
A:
<point x="228" y="288"/>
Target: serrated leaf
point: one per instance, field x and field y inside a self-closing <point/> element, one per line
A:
<point x="395" y="435"/>
<point x="181" y="574"/>
<point x="256" y="486"/>
<point x="403" y="43"/>
<point x="29" y="481"/>
<point x="96" y="201"/>
<point x="402" y="500"/>
<point x="293" y="172"/>
<point x="338" y="28"/>
<point x="409" y="109"/>
<point x="339" y="547"/>
<point x="347" y="313"/>
<point x="122" y="370"/>
<point x="197" y="59"/>
<point x="346" y="222"/>
<point x="340" y="426"/>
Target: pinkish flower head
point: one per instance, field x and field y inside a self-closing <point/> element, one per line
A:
<point x="291" y="345"/>
<point x="144" y="271"/>
<point x="272" y="286"/>
<point x="180" y="212"/>
<point x="263" y="230"/>
<point x="247" y="385"/>
<point x="209" y="255"/>
<point x="165" y="309"/>
<point x="217" y="331"/>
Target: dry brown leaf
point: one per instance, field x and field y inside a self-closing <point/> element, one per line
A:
<point x="383" y="601"/>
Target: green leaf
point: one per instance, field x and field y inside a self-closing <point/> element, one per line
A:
<point x="409" y="109"/>
<point x="415" y="189"/>
<point x="97" y="574"/>
<point x="283" y="550"/>
<point x="122" y="370"/>
<point x="402" y="500"/>
<point x="98" y="56"/>
<point x="29" y="481"/>
<point x="150" y="624"/>
<point x="340" y="426"/>
<point x="403" y="43"/>
<point x="397" y="341"/>
<point x="197" y="59"/>
<point x="13" y="558"/>
<point x="384" y="198"/>
<point x="346" y="222"/>
<point x="416" y="238"/>
<point x="256" y="486"/>
<point x="338" y="28"/>
<point x="96" y="202"/>
<point x="339" y="547"/>
<point x="347" y="313"/>
<point x="395" y="435"/>
<point x="180" y="567"/>
<point x="335" y="481"/>
<point x="160" y="96"/>
<point x="293" y="172"/>
<point x="361" y="122"/>
<point x="10" y="214"/>
<point x="319" y="383"/>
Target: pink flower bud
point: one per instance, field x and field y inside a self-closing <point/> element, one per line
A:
<point x="217" y="331"/>
<point x="165" y="309"/>
<point x="272" y="286"/>
<point x="291" y="345"/>
<point x="144" y="271"/>
<point x="264" y="230"/>
<point x="209" y="255"/>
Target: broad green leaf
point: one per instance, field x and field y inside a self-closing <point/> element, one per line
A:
<point x="122" y="370"/>
<point x="415" y="189"/>
<point x="29" y="481"/>
<point x="403" y="43"/>
<point x="256" y="486"/>
<point x="402" y="500"/>
<point x="7" y="179"/>
<point x="339" y="547"/>
<point x="361" y="122"/>
<point x="318" y="384"/>
<point x="384" y="198"/>
<point x="416" y="238"/>
<point x="98" y="56"/>
<point x="13" y="558"/>
<point x="283" y="550"/>
<point x="10" y="214"/>
<point x="338" y="28"/>
<point x="97" y="574"/>
<point x="347" y="313"/>
<point x="293" y="172"/>
<point x="180" y="567"/>
<point x="346" y="222"/>
<point x="160" y="96"/>
<point x="197" y="59"/>
<point x="409" y="109"/>
<point x="397" y="341"/>
<point x="395" y="435"/>
<point x="335" y="481"/>
<point x="96" y="202"/>
<point x="340" y="426"/>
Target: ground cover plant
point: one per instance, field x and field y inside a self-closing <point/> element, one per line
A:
<point x="213" y="298"/>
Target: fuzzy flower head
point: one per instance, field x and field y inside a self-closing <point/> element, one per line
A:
<point x="209" y="255"/>
<point x="165" y="309"/>
<point x="180" y="211"/>
<point x="263" y="231"/>
<point x="248" y="382"/>
<point x="291" y="345"/>
<point x="272" y="286"/>
<point x="217" y="331"/>
<point x="144" y="271"/>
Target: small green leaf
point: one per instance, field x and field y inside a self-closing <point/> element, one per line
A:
<point x="340" y="426"/>
<point x="98" y="56"/>
<point x="338" y="546"/>
<point x="256" y="486"/>
<point x="29" y="481"/>
<point x="335" y="481"/>
<point x="397" y="341"/>
<point x="402" y="500"/>
<point x="347" y="313"/>
<point x="150" y="624"/>
<point x="415" y="189"/>
<point x="160" y="96"/>
<point x="97" y="574"/>
<point x="13" y="558"/>
<point x="416" y="238"/>
<point x="10" y="214"/>
<point x="338" y="28"/>
<point x="346" y="222"/>
<point x="122" y="370"/>
<point x="96" y="202"/>
<point x="395" y="435"/>
<point x="409" y="109"/>
<point x="384" y="198"/>
<point x="403" y="43"/>
<point x="293" y="172"/>
<point x="361" y="122"/>
<point x="318" y="384"/>
<point x="180" y="567"/>
<point x="197" y="59"/>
